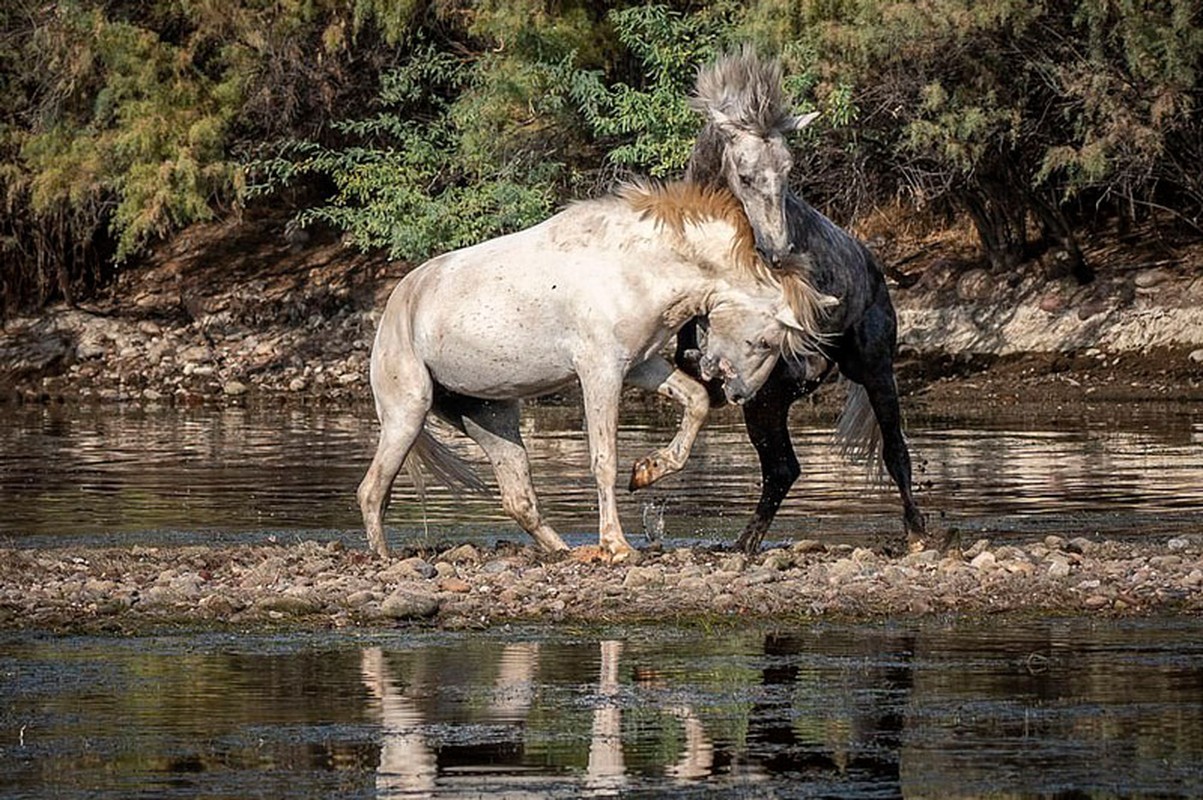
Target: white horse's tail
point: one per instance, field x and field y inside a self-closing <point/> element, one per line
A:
<point x="446" y="467"/>
<point x="858" y="434"/>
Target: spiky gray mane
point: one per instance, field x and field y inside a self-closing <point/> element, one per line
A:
<point x="745" y="89"/>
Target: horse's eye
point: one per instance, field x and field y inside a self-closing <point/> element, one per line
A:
<point x="759" y="345"/>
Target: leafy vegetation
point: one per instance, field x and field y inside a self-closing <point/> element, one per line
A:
<point x="423" y="126"/>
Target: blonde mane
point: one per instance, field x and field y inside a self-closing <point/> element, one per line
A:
<point x="675" y="205"/>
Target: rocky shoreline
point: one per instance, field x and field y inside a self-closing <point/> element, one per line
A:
<point x="326" y="585"/>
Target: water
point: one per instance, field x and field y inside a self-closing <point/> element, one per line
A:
<point x="123" y="476"/>
<point x="1005" y="707"/>
<point x="1039" y="708"/>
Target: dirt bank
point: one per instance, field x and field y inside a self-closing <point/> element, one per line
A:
<point x="235" y="312"/>
<point x="326" y="585"/>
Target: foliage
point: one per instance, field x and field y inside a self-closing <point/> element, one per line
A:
<point x="420" y="180"/>
<point x="651" y="127"/>
<point x="121" y="121"/>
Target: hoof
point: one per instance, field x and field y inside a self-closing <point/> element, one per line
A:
<point x="628" y="557"/>
<point x="590" y="554"/>
<point x="644" y="473"/>
<point x="594" y="554"/>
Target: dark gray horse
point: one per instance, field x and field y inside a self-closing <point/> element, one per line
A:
<point x="743" y="102"/>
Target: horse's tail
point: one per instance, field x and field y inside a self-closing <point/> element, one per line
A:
<point x="447" y="468"/>
<point x="858" y="434"/>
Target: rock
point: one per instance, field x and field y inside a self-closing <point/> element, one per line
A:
<point x="1080" y="544"/>
<point x="408" y="569"/>
<point x="290" y="603"/>
<point x="408" y="603"/>
<point x="980" y="546"/>
<point x="984" y="560"/>
<point x="1148" y="278"/>
<point x="454" y="585"/>
<point x="1092" y="308"/>
<point x="779" y="560"/>
<point x="1052" y="302"/>
<point x="465" y="552"/>
<point x="1196" y="356"/>
<point x="976" y="284"/>
<point x="195" y="354"/>
<point x="1058" y="567"/>
<point x="809" y="546"/>
<point x="638" y="577"/>
<point x="265" y="573"/>
<point x="842" y="570"/>
<point x="735" y="563"/>
<point x="234" y="389"/>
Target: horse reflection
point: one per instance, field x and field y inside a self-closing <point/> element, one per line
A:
<point x="409" y="762"/>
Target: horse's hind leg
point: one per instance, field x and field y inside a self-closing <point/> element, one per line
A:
<point x="766" y="417"/>
<point x="883" y="397"/>
<point x="877" y="378"/>
<point x="657" y="375"/>
<point x="403" y="397"/>
<point x="494" y="426"/>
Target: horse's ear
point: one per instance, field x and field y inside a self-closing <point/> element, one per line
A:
<point x="785" y="315"/>
<point x="799" y="122"/>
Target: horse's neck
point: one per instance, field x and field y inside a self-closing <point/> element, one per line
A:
<point x="706" y="161"/>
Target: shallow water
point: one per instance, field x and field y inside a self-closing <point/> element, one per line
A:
<point x="1039" y="708"/>
<point x="120" y="476"/>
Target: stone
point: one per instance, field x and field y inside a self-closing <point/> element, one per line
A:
<point x="1058" y="568"/>
<point x="234" y="389"/>
<point x="465" y="552"/>
<point x="983" y="561"/>
<point x="735" y="563"/>
<point x="637" y="577"/>
<point x="976" y="284"/>
<point x="408" y="603"/>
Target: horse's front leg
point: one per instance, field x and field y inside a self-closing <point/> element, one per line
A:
<point x="602" y="392"/>
<point x="657" y="375"/>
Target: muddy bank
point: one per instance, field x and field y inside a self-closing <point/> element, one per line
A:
<point x="235" y="312"/>
<point x="328" y="585"/>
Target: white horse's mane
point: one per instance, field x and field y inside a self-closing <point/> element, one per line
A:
<point x="676" y="204"/>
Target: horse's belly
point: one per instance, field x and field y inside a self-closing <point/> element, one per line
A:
<point x="497" y="379"/>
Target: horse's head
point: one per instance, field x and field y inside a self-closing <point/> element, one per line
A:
<point x="741" y="339"/>
<point x="743" y="146"/>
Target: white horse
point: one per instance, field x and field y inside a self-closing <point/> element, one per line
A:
<point x="592" y="294"/>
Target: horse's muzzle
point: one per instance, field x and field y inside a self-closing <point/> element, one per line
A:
<point x="737" y="391"/>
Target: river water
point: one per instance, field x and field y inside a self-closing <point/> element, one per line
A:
<point x="1046" y="708"/>
<point x="948" y="707"/>
<point x="123" y="476"/>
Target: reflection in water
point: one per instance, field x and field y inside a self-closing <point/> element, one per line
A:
<point x="1010" y="708"/>
<point x="204" y="475"/>
<point x="607" y="769"/>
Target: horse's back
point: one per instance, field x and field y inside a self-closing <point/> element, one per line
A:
<point x="510" y="317"/>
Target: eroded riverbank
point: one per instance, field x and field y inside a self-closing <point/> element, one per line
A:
<point x="311" y="584"/>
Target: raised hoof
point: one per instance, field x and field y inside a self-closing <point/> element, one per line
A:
<point x="645" y="472"/>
